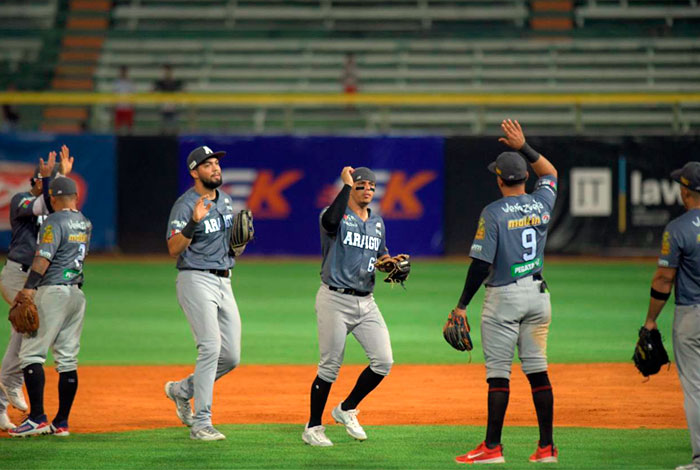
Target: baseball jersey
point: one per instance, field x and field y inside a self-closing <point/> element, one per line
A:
<point x="64" y="239"/>
<point x="209" y="248"/>
<point x="512" y="232"/>
<point x="25" y="227"/>
<point x="680" y="248"/>
<point x="350" y="253"/>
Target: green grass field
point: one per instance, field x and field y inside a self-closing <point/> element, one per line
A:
<point x="133" y="318"/>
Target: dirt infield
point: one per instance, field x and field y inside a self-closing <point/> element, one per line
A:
<point x="591" y="395"/>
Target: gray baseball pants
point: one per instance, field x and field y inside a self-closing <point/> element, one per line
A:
<point x="517" y="314"/>
<point x="208" y="303"/>
<point x="12" y="280"/>
<point x="686" y="349"/>
<point x="339" y="315"/>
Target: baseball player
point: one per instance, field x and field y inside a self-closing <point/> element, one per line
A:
<point x="352" y="240"/>
<point x="507" y="254"/>
<point x="27" y="210"/>
<point x="679" y="264"/>
<point x="198" y="234"/>
<point x="55" y="281"/>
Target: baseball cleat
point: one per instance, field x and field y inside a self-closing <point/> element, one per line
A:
<point x="31" y="428"/>
<point x="316" y="436"/>
<point x="546" y="454"/>
<point x="15" y="397"/>
<point x="207" y="433"/>
<point x="349" y="420"/>
<point x="5" y="423"/>
<point x="690" y="466"/>
<point x="183" y="409"/>
<point x="60" y="429"/>
<point x="483" y="454"/>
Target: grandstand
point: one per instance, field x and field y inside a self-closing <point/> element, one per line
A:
<point x="502" y="47"/>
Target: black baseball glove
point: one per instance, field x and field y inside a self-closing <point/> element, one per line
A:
<point x="456" y="332"/>
<point x="649" y="353"/>
<point x="242" y="232"/>
<point x="398" y="267"/>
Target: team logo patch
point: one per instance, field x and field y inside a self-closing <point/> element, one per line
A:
<point x="47" y="236"/>
<point x="526" y="267"/>
<point x="666" y="244"/>
<point x="25" y="202"/>
<point x="545" y="218"/>
<point x="481" y="230"/>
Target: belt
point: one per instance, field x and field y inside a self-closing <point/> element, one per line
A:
<point x="23" y="267"/>
<point x="347" y="291"/>
<point x="215" y="272"/>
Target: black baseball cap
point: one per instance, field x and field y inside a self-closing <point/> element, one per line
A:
<point x="363" y="174"/>
<point x="688" y="176"/>
<point x="510" y="166"/>
<point x="63" y="186"/>
<point x="198" y="155"/>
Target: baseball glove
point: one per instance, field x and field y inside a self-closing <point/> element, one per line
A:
<point x="398" y="267"/>
<point x="23" y="314"/>
<point x="456" y="332"/>
<point x="242" y="232"/>
<point x="649" y="353"/>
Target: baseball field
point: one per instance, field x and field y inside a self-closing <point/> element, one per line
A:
<point x="431" y="408"/>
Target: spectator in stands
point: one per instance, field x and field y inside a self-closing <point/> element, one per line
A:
<point x="350" y="77"/>
<point x="124" y="110"/>
<point x="10" y="115"/>
<point x="168" y="112"/>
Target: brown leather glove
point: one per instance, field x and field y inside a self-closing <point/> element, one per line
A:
<point x="23" y="314"/>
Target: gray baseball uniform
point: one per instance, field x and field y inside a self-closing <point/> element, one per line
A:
<point x="680" y="249"/>
<point x="205" y="296"/>
<point x="26" y="215"/>
<point x="64" y="239"/>
<point x="511" y="236"/>
<point x="344" y="302"/>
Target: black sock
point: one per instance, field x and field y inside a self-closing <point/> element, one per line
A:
<point x="319" y="395"/>
<point x="543" y="398"/>
<point x="34" y="380"/>
<point x="67" y="387"/>
<point x="366" y="382"/>
<point x="499" y="392"/>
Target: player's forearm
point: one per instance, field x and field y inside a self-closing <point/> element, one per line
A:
<point x="333" y="215"/>
<point x="37" y="271"/>
<point x="661" y="286"/>
<point x="477" y="274"/>
<point x="543" y="167"/>
<point x="177" y="244"/>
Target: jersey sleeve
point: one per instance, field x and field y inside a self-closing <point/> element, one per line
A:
<point x="383" y="250"/>
<point x="546" y="191"/>
<point x="22" y="206"/>
<point x="670" y="254"/>
<point x="180" y="214"/>
<point x="486" y="238"/>
<point x="49" y="238"/>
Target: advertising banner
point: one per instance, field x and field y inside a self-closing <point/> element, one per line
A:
<point x="286" y="181"/>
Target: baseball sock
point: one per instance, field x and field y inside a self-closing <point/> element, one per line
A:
<point x="319" y="395"/>
<point x="366" y="382"/>
<point x="34" y="381"/>
<point x="67" y="387"/>
<point x="499" y="392"/>
<point x="543" y="398"/>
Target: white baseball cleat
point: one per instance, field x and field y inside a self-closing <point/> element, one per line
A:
<point x="16" y="398"/>
<point x="316" y="436"/>
<point x="690" y="466"/>
<point x="183" y="409"/>
<point x="349" y="419"/>
<point x="207" y="433"/>
<point x="5" y="423"/>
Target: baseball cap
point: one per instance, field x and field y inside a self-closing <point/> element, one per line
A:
<point x="510" y="166"/>
<point x="63" y="186"/>
<point x="688" y="176"/>
<point x="363" y="174"/>
<point x="200" y="154"/>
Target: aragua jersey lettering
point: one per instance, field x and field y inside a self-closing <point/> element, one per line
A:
<point x="359" y="240"/>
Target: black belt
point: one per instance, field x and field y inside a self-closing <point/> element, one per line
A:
<point x="23" y="267"/>
<point x="215" y="272"/>
<point x="345" y="290"/>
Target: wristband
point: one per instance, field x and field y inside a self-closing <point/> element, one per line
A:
<point x="655" y="294"/>
<point x="33" y="280"/>
<point x="188" y="231"/>
<point x="531" y="155"/>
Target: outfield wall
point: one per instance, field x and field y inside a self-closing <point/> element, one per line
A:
<point x="614" y="192"/>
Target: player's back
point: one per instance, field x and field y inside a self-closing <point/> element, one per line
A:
<point x="65" y="240"/>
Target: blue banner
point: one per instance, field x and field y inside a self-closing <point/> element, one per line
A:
<point x="287" y="181"/>
<point x="93" y="170"/>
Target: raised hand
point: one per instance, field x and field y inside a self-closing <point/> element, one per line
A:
<point x="200" y="209"/>
<point x="346" y="175"/>
<point x="45" y="168"/>
<point x="66" y="161"/>
<point x="514" y="138"/>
